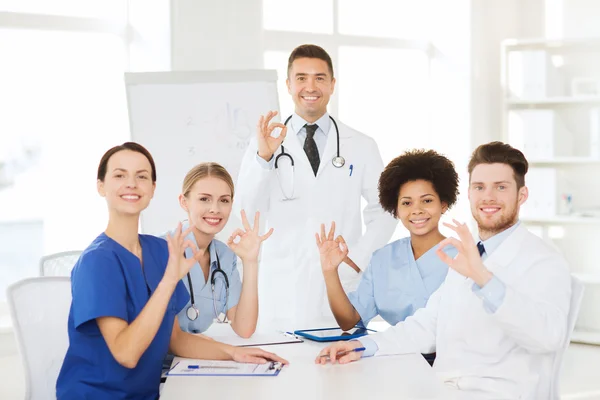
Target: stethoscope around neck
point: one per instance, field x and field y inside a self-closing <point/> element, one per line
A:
<point x="338" y="161"/>
<point x="192" y="311"/>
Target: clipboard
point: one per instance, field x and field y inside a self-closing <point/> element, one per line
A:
<point x="191" y="367"/>
<point x="261" y="340"/>
<point x="333" y="334"/>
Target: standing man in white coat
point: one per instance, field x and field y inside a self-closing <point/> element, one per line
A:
<point x="317" y="169"/>
<point x="500" y="318"/>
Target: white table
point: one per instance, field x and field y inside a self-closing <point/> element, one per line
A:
<point x="394" y="377"/>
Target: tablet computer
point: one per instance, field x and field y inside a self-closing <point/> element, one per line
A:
<point x="333" y="334"/>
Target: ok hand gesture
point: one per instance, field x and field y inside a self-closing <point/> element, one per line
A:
<point x="178" y="266"/>
<point x="268" y="145"/>
<point x="249" y="245"/>
<point x="468" y="261"/>
<point x="332" y="252"/>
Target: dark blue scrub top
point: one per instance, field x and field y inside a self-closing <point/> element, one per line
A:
<point x="108" y="281"/>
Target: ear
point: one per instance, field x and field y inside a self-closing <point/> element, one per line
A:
<point x="289" y="87"/>
<point x="444" y="207"/>
<point x="523" y="195"/>
<point x="153" y="189"/>
<point x="100" y="188"/>
<point x="183" y="203"/>
<point x="333" y="81"/>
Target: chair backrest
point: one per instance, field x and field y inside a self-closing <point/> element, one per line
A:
<point x="39" y="309"/>
<point x="577" y="290"/>
<point x="59" y="264"/>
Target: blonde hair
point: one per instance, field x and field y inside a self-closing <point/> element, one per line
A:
<point x="204" y="170"/>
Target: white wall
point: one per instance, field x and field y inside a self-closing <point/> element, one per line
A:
<point x="150" y="35"/>
<point x="209" y="35"/>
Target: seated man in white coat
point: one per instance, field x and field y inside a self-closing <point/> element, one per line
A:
<point x="500" y="317"/>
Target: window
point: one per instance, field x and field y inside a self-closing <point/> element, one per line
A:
<point x="402" y="70"/>
<point x="65" y="100"/>
<point x="105" y="9"/>
<point x="401" y="19"/>
<point x="313" y="16"/>
<point x="399" y="76"/>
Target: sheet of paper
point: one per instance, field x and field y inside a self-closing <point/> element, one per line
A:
<point x="191" y="367"/>
<point x="259" y="339"/>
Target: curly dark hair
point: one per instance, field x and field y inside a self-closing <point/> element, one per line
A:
<point x="413" y="165"/>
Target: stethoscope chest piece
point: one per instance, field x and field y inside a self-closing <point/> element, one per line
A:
<point x="338" y="161"/>
<point x="192" y="313"/>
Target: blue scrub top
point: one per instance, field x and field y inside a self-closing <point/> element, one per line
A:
<point x="108" y="281"/>
<point x="203" y="295"/>
<point x="395" y="285"/>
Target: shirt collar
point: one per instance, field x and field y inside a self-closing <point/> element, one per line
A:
<point x="298" y="123"/>
<point x="491" y="244"/>
<point x="213" y="254"/>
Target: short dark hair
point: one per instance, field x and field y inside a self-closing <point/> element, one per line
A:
<point x="310" y="51"/>
<point x="414" y="165"/>
<point x="132" y="146"/>
<point x="501" y="153"/>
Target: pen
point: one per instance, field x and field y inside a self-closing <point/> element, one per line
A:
<point x="288" y="334"/>
<point x="275" y="365"/>
<point x="351" y="169"/>
<point x="343" y="353"/>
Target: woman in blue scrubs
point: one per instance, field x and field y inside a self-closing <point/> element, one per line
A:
<point x="127" y="292"/>
<point x="207" y="198"/>
<point x="417" y="188"/>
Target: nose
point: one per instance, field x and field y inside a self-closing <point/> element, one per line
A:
<point x="416" y="210"/>
<point x="489" y="194"/>
<point x="131" y="182"/>
<point x="214" y="207"/>
<point x="310" y="85"/>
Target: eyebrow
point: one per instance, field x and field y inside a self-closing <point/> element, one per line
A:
<point x="495" y="183"/>
<point x="425" y="195"/>
<point x="124" y="170"/>
<point x="305" y="74"/>
<point x="210" y="195"/>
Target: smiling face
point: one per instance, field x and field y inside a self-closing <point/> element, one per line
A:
<point x="127" y="185"/>
<point x="311" y="84"/>
<point x="208" y="204"/>
<point x="495" y="199"/>
<point x="419" y="207"/>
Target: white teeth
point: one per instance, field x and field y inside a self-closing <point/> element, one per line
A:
<point x="490" y="209"/>
<point x="212" y="220"/>
<point x="310" y="98"/>
<point x="130" y="197"/>
<point x="420" y="221"/>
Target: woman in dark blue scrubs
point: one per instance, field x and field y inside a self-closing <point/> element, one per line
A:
<point x="127" y="292"/>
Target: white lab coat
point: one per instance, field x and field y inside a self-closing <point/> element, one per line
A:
<point x="505" y="355"/>
<point x="291" y="284"/>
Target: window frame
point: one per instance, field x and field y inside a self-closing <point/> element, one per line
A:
<point x="49" y="23"/>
